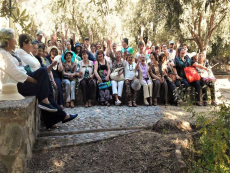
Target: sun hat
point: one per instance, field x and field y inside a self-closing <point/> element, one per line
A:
<point x="66" y="54"/>
<point x="10" y="92"/>
<point x="171" y="42"/>
<point x="78" y="45"/>
<point x="39" y="32"/>
<point x="136" y="85"/>
<point x="52" y="47"/>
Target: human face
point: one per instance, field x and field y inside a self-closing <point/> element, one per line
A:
<point x="39" y="37"/>
<point x="27" y="47"/>
<point x="185" y="48"/>
<point x="59" y="46"/>
<point x="98" y="46"/>
<point x="153" y="59"/>
<point x="118" y="56"/>
<point x="68" y="57"/>
<point x="34" y="49"/>
<point x="124" y="45"/>
<point x="141" y="48"/>
<point x="85" y="56"/>
<point x="182" y="53"/>
<point x="68" y="45"/>
<point x="130" y="59"/>
<point x="164" y="48"/>
<point x="195" y="58"/>
<point x="11" y="43"/>
<point x="171" y="46"/>
<point x="87" y="43"/>
<point x="49" y="43"/>
<point x="100" y="56"/>
<point x="40" y="52"/>
<point x="157" y="51"/>
<point x="201" y="58"/>
<point x="93" y="49"/>
<point x="114" y="48"/>
<point x="53" y="53"/>
<point x="142" y="59"/>
<point x="153" y="49"/>
<point x="78" y="49"/>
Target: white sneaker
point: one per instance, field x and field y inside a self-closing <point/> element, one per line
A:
<point x="117" y="103"/>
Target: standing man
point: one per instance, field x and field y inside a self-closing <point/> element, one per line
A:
<point x="38" y="37"/>
<point x="171" y="51"/>
<point x="126" y="49"/>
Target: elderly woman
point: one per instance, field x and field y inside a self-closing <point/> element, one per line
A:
<point x="57" y="73"/>
<point x="102" y="72"/>
<point x="155" y="71"/>
<point x="86" y="75"/>
<point x="117" y="83"/>
<point x="203" y="82"/>
<point x="131" y="73"/>
<point x="68" y="75"/>
<point x="182" y="62"/>
<point x="145" y="79"/>
<point x="29" y="83"/>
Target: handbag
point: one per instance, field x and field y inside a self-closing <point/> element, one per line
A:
<point x="114" y="75"/>
<point x="104" y="85"/>
<point x="191" y="74"/>
<point x="28" y="69"/>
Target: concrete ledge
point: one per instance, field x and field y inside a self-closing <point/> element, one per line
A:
<point x="19" y="127"/>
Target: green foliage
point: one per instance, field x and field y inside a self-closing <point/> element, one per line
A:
<point x="18" y="16"/>
<point x="213" y="153"/>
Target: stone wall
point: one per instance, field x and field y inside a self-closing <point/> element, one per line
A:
<point x="19" y="126"/>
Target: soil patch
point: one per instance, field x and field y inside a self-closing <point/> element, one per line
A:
<point x="144" y="151"/>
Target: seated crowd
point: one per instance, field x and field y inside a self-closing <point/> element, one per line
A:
<point x="42" y="69"/>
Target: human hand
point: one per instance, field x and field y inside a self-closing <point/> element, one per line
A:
<point x="142" y="28"/>
<point x="99" y="80"/>
<point x="66" y="28"/>
<point x="178" y="44"/>
<point x="45" y="36"/>
<point x="178" y="77"/>
<point x="91" y="76"/>
<point x="107" y="78"/>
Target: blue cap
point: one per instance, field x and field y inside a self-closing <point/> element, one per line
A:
<point x="77" y="45"/>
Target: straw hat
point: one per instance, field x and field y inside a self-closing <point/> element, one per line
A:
<point x="10" y="92"/>
<point x="136" y="85"/>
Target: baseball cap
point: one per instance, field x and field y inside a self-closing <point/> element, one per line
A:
<point x="86" y="38"/>
<point x="171" y="42"/>
<point x="39" y="32"/>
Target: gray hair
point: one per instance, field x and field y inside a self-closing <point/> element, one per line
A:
<point x="5" y="35"/>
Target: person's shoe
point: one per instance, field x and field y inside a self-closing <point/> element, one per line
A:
<point x="166" y="102"/>
<point x="67" y="105"/>
<point x="130" y="104"/>
<point x="90" y="104"/>
<point x="198" y="103"/>
<point x="204" y="103"/>
<point x="155" y="102"/>
<point x="72" y="104"/>
<point x="134" y="104"/>
<point x="47" y="107"/>
<point x="213" y="103"/>
<point x="72" y="116"/>
<point x="151" y="102"/>
<point x="118" y="102"/>
<point x="86" y="105"/>
<point x="146" y="103"/>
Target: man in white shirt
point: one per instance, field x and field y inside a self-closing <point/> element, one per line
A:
<point x="171" y="51"/>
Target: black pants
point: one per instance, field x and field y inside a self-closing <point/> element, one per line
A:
<point x="195" y="84"/>
<point x="43" y="90"/>
<point x="60" y="100"/>
<point x="205" y="86"/>
<point x="175" y="90"/>
<point x="87" y="87"/>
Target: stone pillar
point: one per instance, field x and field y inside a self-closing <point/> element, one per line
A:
<point x="19" y="127"/>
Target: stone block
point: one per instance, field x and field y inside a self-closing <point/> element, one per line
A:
<point x="19" y="127"/>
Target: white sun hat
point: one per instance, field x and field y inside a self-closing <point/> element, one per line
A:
<point x="10" y="92"/>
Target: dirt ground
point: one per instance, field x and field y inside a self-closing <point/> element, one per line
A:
<point x="144" y="151"/>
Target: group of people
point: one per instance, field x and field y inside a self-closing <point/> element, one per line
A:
<point x="42" y="69"/>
